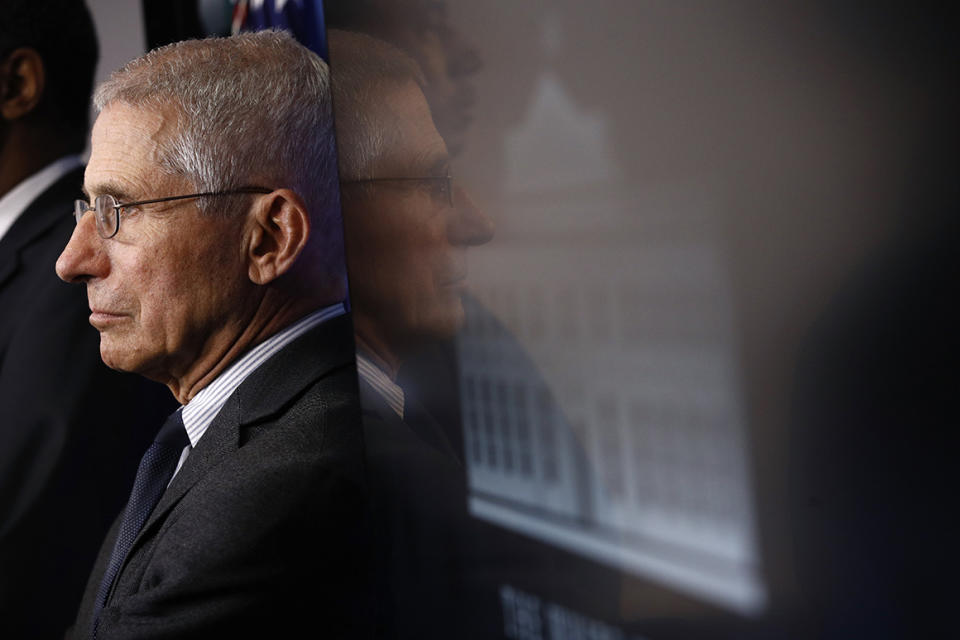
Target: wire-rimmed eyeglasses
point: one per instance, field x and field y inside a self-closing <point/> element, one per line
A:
<point x="107" y="209"/>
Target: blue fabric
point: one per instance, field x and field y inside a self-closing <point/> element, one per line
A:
<point x="303" y="18"/>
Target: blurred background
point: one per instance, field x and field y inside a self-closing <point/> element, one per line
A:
<point x="708" y="355"/>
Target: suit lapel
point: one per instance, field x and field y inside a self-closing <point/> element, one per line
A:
<point x="415" y="419"/>
<point x="371" y="402"/>
<point x="281" y="379"/>
<point x="37" y="219"/>
<point x="220" y="440"/>
<point x="266" y="391"/>
<point x="217" y="443"/>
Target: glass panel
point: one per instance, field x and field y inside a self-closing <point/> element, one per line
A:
<point x="683" y="196"/>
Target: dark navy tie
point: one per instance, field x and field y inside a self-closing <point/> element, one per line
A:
<point x="154" y="474"/>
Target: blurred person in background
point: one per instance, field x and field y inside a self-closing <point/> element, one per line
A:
<point x="447" y="63"/>
<point x="422" y="30"/>
<point x="407" y="228"/>
<point x="71" y="429"/>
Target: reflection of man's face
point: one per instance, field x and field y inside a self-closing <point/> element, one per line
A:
<point x="448" y="63"/>
<point x="171" y="281"/>
<point x="406" y="246"/>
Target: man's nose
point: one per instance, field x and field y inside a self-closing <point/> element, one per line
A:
<point x="83" y="257"/>
<point x="470" y="225"/>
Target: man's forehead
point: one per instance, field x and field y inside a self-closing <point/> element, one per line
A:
<point x="405" y="162"/>
<point x="125" y="150"/>
<point x="119" y="120"/>
<point x="413" y="146"/>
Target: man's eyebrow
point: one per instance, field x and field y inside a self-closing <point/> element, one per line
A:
<point x="108" y="189"/>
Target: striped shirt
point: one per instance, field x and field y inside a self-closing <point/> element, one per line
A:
<point x="381" y="382"/>
<point x="199" y="413"/>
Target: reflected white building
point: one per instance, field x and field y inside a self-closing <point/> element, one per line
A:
<point x="602" y="407"/>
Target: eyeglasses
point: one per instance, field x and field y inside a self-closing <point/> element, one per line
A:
<point x="108" y="210"/>
<point x="445" y="183"/>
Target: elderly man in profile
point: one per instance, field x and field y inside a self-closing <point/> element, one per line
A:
<point x="211" y="252"/>
<point x="408" y="227"/>
<point x="408" y="223"/>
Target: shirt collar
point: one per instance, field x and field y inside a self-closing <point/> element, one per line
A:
<point x="381" y="383"/>
<point x="199" y="413"/>
<point x="16" y="201"/>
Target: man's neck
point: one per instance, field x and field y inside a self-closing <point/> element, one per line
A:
<point x="23" y="152"/>
<point x="222" y="351"/>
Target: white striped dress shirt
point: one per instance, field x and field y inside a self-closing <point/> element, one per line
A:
<point x="381" y="382"/>
<point x="204" y="407"/>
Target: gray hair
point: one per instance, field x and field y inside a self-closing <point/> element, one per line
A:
<point x="252" y="108"/>
<point x="364" y="69"/>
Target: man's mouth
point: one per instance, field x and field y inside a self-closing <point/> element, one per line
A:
<point x="101" y="318"/>
<point x="455" y="281"/>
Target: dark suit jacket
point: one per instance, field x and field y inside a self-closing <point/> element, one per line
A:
<point x="262" y="532"/>
<point x="69" y="436"/>
<point x="490" y="556"/>
<point x="418" y="501"/>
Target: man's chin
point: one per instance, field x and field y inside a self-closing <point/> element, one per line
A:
<point x="111" y="360"/>
<point x="116" y="356"/>
<point x="445" y="324"/>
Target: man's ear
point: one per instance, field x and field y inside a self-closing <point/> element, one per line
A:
<point x="277" y="232"/>
<point x="22" y="79"/>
